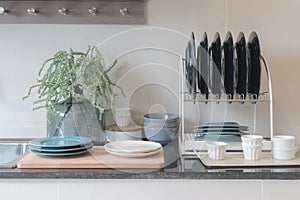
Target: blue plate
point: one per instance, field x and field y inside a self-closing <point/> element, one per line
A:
<point x="221" y="129"/>
<point x="60" y="150"/>
<point x="221" y="124"/>
<point x="220" y="138"/>
<point x="61" y="142"/>
<point x="239" y="133"/>
<point x="71" y="153"/>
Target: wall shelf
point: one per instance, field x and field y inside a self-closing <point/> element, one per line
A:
<point x="72" y="12"/>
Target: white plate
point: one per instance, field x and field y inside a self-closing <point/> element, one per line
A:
<point x="133" y="155"/>
<point x="127" y="146"/>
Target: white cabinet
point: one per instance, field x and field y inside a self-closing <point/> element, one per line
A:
<point x="149" y="189"/>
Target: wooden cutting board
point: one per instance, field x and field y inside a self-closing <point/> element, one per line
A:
<point x="97" y="158"/>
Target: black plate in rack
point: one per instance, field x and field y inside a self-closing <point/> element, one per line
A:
<point x="203" y="66"/>
<point x="229" y="65"/>
<point x="242" y="68"/>
<point x="216" y="65"/>
<point x="194" y="65"/>
<point x="188" y="67"/>
<point x="254" y="66"/>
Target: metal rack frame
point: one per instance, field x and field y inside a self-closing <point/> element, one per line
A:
<point x="185" y="97"/>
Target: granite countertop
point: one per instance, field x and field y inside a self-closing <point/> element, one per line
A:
<point x="177" y="167"/>
<point x="187" y="167"/>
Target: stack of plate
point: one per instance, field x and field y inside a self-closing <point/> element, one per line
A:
<point x="60" y="146"/>
<point x="132" y="149"/>
<point x="220" y="131"/>
<point x="161" y="127"/>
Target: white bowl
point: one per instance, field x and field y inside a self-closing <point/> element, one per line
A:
<point x="284" y="154"/>
<point x="252" y="152"/>
<point x="216" y="150"/>
<point x="283" y="142"/>
<point x="251" y="140"/>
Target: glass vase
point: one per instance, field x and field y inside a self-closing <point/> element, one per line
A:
<point x="77" y="118"/>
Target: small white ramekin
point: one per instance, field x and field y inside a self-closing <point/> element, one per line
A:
<point x="283" y="142"/>
<point x="252" y="140"/>
<point x="216" y="150"/>
<point x="284" y="154"/>
<point x="252" y="152"/>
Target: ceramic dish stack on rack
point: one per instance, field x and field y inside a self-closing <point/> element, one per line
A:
<point x="133" y="149"/>
<point x="220" y="131"/>
<point x="60" y="146"/>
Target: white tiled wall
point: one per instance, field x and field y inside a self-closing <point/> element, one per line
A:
<point x="25" y="47"/>
<point x="276" y="23"/>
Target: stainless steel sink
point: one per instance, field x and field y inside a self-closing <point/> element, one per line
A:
<point x="11" y="153"/>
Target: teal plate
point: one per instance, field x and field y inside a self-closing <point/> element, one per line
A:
<point x="236" y="133"/>
<point x="221" y="124"/>
<point x="219" y="129"/>
<point x="220" y="138"/>
<point x="61" y="142"/>
<point x="71" y="153"/>
<point x="222" y="127"/>
<point x="61" y="150"/>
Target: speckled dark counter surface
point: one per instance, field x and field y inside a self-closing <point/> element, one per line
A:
<point x="177" y="167"/>
<point x="184" y="168"/>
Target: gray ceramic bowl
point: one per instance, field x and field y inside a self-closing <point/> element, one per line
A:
<point x="160" y="118"/>
<point x="163" y="135"/>
<point x="151" y="124"/>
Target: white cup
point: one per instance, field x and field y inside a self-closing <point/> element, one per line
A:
<point x="283" y="142"/>
<point x="123" y="116"/>
<point x="252" y="140"/>
<point x="252" y="152"/>
<point x="123" y="111"/>
<point x="216" y="150"/>
<point x="284" y="154"/>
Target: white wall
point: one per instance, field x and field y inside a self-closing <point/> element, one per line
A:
<point x="25" y="47"/>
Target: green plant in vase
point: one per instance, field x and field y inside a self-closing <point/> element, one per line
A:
<point x="75" y="89"/>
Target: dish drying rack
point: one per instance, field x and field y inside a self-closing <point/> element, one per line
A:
<point x="188" y="144"/>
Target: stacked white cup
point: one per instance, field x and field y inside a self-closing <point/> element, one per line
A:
<point x="123" y="116"/>
<point x="283" y="147"/>
<point x="252" y="146"/>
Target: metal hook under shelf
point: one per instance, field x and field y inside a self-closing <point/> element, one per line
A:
<point x="124" y="11"/>
<point x="63" y="11"/>
<point x="32" y="11"/>
<point x="93" y="11"/>
<point x="3" y="11"/>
